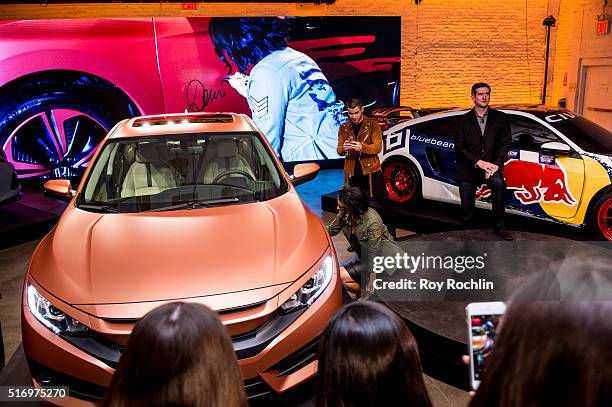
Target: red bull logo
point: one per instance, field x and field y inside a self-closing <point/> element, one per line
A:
<point x="534" y="182"/>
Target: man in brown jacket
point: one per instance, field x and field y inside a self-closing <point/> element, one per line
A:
<point x="360" y="140"/>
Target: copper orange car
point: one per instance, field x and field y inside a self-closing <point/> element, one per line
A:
<point x="190" y="207"/>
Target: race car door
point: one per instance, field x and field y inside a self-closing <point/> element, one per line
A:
<point x="542" y="182"/>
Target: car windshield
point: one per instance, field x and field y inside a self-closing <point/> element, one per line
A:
<point x="184" y="171"/>
<point x="587" y="135"/>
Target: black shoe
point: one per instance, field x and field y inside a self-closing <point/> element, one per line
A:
<point x="501" y="232"/>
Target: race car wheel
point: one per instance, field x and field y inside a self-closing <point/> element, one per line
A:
<point x="50" y="126"/>
<point x="603" y="216"/>
<point x="402" y="181"/>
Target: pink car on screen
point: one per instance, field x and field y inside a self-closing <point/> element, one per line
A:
<point x="65" y="83"/>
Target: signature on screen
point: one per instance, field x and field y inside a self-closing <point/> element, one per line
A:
<point x="199" y="96"/>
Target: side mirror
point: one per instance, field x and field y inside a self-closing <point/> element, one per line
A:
<point x="556" y="147"/>
<point x="303" y="173"/>
<point x="59" y="189"/>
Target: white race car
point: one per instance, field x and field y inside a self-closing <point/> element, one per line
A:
<point x="559" y="167"/>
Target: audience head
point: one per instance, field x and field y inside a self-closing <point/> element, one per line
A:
<point x="368" y="357"/>
<point x="179" y="354"/>
<point x="554" y="351"/>
<point x="354" y="200"/>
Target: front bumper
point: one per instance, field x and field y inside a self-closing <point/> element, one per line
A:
<point x="273" y="358"/>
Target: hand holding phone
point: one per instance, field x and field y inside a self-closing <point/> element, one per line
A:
<point x="348" y="144"/>
<point x="483" y="320"/>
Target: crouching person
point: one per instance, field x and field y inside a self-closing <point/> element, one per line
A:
<point x="367" y="235"/>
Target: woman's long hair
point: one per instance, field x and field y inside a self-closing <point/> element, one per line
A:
<point x="179" y="354"/>
<point x="247" y="40"/>
<point x="368" y="357"/>
<point x="554" y="345"/>
<point x="550" y="353"/>
<point x="355" y="201"/>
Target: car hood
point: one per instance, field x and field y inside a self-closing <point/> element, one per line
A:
<point x="93" y="258"/>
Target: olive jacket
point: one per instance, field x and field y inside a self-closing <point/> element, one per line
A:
<point x="374" y="238"/>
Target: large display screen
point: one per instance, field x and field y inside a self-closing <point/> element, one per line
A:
<point x="65" y="83"/>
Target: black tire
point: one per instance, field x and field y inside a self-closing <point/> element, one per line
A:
<point x="402" y="181"/>
<point x="90" y="106"/>
<point x="600" y="217"/>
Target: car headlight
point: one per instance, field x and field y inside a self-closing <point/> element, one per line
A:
<point x="51" y="317"/>
<point x="313" y="288"/>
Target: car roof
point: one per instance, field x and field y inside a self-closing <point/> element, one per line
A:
<point x="536" y="110"/>
<point x="182" y="123"/>
<point x="540" y="111"/>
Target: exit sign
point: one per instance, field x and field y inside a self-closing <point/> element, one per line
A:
<point x="603" y="25"/>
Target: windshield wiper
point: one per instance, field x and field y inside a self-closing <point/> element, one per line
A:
<point x="228" y="185"/>
<point x="196" y="204"/>
<point x="101" y="208"/>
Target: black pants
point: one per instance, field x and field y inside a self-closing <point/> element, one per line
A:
<point x="378" y="185"/>
<point x="379" y="200"/>
<point x="467" y="190"/>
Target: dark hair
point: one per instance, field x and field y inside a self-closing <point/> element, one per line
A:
<point x="479" y="85"/>
<point x="247" y="40"/>
<point x="554" y="353"/>
<point x="352" y="103"/>
<point x="178" y="354"/>
<point x="550" y="354"/>
<point x="355" y="200"/>
<point x="368" y="357"/>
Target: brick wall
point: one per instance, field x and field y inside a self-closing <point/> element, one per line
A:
<point x="446" y="45"/>
<point x="577" y="42"/>
<point x="462" y="42"/>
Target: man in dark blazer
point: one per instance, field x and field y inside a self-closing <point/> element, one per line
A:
<point x="482" y="145"/>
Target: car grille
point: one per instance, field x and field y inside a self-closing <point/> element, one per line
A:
<point x="246" y="344"/>
<point x="297" y="360"/>
<point x="221" y="312"/>
<point x="255" y="388"/>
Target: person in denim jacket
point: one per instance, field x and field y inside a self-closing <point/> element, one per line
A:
<point x="290" y="98"/>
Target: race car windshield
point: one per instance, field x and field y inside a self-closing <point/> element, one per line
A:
<point x="587" y="135"/>
<point x="183" y="171"/>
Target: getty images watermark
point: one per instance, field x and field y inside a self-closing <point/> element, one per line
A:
<point x="411" y="264"/>
<point x="481" y="271"/>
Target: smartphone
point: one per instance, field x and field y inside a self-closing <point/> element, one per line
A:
<point x="483" y="320"/>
